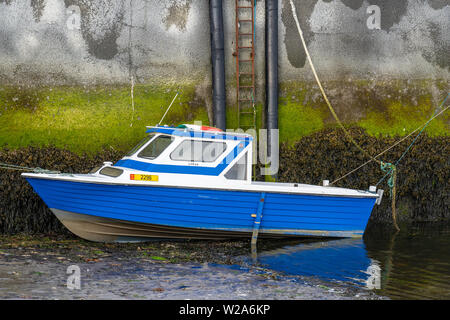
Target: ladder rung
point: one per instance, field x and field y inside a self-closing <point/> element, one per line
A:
<point x="245" y="104"/>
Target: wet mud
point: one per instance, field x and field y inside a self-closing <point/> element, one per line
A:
<point x="37" y="268"/>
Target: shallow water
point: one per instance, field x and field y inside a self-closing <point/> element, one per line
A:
<point x="411" y="264"/>
<point x="137" y="278"/>
<point x="37" y="267"/>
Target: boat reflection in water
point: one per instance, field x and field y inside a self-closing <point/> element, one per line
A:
<point x="411" y="264"/>
<point x="343" y="260"/>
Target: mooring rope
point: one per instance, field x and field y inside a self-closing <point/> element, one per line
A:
<point x="395" y="144"/>
<point x="391" y="170"/>
<point x="8" y="166"/>
<point x="132" y="100"/>
<point x="300" y="32"/>
<point x="385" y="166"/>
<point x="167" y="109"/>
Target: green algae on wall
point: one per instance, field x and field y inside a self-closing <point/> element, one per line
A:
<point x="86" y="119"/>
<point x="297" y="120"/>
<point x="400" y="119"/>
<point x="245" y="120"/>
<point x="383" y="108"/>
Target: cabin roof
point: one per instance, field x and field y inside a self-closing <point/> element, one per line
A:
<point x="188" y="132"/>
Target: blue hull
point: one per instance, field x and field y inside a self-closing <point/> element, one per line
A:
<point x="208" y="209"/>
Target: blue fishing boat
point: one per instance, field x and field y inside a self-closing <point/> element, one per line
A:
<point x="193" y="182"/>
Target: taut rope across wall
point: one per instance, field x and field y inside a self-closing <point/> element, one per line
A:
<point x="389" y="168"/>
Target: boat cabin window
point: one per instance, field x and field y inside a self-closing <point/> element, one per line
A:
<point x="239" y="170"/>
<point x="111" y="172"/>
<point x="95" y="169"/>
<point x="156" y="147"/>
<point x="198" y="151"/>
<point x="139" y="145"/>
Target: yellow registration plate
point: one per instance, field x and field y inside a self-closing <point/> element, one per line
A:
<point x="143" y="177"/>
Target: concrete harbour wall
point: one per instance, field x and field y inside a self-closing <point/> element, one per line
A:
<point x="82" y="78"/>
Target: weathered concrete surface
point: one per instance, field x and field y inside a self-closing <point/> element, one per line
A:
<point x="411" y="40"/>
<point x="372" y="55"/>
<point x="73" y="41"/>
<point x="78" y="41"/>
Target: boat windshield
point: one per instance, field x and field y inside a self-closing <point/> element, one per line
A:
<point x="140" y="144"/>
<point x="156" y="147"/>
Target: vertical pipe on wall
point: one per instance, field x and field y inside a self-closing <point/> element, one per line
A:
<point x="271" y="68"/>
<point x="218" y="64"/>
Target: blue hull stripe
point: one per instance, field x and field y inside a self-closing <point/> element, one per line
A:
<point x="167" y="168"/>
<point x="222" y="206"/>
<point x="210" y="209"/>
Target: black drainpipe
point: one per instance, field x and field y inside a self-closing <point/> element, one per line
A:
<point x="271" y="67"/>
<point x="218" y="64"/>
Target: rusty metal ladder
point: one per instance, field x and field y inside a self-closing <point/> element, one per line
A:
<point x="245" y="63"/>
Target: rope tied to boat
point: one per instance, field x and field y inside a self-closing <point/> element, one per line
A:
<point x="390" y="168"/>
<point x="333" y="112"/>
<point x="8" y="166"/>
<point x="391" y="171"/>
